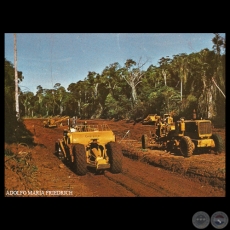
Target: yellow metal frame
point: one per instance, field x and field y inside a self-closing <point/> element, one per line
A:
<point x="86" y="134"/>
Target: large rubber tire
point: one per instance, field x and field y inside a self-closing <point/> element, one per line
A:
<point x="219" y="144"/>
<point x="58" y="152"/>
<point x="144" y="141"/>
<point x="80" y="159"/>
<point x="115" y="155"/>
<point x="56" y="148"/>
<point x="67" y="158"/>
<point x="186" y="146"/>
<point x="169" y="146"/>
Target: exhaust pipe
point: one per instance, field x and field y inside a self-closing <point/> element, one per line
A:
<point x="194" y="115"/>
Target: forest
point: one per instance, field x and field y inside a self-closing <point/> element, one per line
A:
<point x="177" y="86"/>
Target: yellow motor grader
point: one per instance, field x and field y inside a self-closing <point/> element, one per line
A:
<point x="91" y="146"/>
<point x="186" y="136"/>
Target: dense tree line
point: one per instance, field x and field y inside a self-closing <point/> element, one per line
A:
<point x="177" y="85"/>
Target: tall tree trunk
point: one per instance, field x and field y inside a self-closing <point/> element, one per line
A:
<point x="134" y="92"/>
<point x="165" y="76"/>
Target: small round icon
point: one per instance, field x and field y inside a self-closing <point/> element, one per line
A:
<point x="219" y="220"/>
<point x="201" y="220"/>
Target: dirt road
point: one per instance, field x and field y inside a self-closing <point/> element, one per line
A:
<point x="36" y="171"/>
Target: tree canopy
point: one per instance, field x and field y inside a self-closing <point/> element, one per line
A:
<point x="179" y="85"/>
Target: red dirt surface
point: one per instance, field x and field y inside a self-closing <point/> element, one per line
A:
<point x="35" y="171"/>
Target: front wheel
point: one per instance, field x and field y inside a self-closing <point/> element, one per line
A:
<point x="56" y="148"/>
<point x="115" y="155"/>
<point x="170" y="146"/>
<point x="186" y="146"/>
<point x="144" y="141"/>
<point x="80" y="159"/>
<point x="58" y="151"/>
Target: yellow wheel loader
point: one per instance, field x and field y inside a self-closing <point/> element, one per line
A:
<point x="90" y="146"/>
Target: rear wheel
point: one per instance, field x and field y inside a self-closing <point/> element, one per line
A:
<point x="219" y="145"/>
<point x="186" y="146"/>
<point x="144" y="141"/>
<point x="115" y="155"/>
<point x="80" y="159"/>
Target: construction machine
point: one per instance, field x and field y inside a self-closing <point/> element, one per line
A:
<point x="184" y="136"/>
<point x="151" y="119"/>
<point x="53" y="123"/>
<point x="90" y="146"/>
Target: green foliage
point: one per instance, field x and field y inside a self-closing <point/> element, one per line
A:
<point x="165" y="99"/>
<point x="117" y="109"/>
<point x="179" y="84"/>
<point x="111" y="106"/>
<point x="137" y="111"/>
<point x="14" y="128"/>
